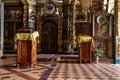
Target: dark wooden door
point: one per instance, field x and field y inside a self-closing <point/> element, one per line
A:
<point x="49" y="37"/>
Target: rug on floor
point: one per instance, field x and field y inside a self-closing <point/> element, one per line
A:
<point x="39" y="72"/>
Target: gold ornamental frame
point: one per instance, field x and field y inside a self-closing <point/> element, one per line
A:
<point x="102" y="25"/>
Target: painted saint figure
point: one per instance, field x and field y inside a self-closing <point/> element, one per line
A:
<point x="102" y="26"/>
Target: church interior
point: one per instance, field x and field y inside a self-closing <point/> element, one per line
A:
<point x="59" y="40"/>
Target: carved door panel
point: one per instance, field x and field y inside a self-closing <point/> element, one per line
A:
<point x="49" y="37"/>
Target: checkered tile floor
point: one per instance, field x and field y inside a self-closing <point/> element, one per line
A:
<point x="67" y="71"/>
<point x="62" y="71"/>
<point x="59" y="71"/>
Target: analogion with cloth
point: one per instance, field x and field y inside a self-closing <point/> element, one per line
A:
<point x="85" y="44"/>
<point x="26" y="48"/>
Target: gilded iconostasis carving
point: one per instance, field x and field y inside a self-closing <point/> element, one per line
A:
<point x="83" y="21"/>
<point x="74" y="18"/>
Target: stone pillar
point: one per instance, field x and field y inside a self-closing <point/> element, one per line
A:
<point x="25" y="13"/>
<point x="60" y="29"/>
<point x="32" y="14"/>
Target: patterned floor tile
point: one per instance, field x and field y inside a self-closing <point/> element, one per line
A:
<point x="11" y="77"/>
<point x="68" y="71"/>
<point x="3" y="71"/>
<point x="62" y="71"/>
<point x="35" y="73"/>
<point x="25" y="73"/>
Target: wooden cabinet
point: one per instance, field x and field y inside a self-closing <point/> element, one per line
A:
<point x="26" y="52"/>
<point x="85" y="54"/>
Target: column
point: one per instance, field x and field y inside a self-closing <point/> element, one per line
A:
<point x="60" y="29"/>
<point x="25" y="13"/>
<point x="117" y="32"/>
<point x="65" y="25"/>
<point x="38" y="17"/>
<point x="72" y="30"/>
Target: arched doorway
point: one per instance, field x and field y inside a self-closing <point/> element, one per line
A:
<point x="49" y="34"/>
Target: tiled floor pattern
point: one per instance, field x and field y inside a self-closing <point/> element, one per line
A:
<point x="61" y="71"/>
<point x="26" y="73"/>
<point x="68" y="71"/>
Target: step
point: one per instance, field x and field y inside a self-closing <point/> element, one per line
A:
<point x="69" y="56"/>
<point x="68" y="59"/>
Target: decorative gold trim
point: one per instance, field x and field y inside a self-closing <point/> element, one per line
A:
<point x="60" y="29"/>
<point x="117" y="3"/>
<point x="25" y="13"/>
<point x="50" y="5"/>
<point x="32" y="4"/>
